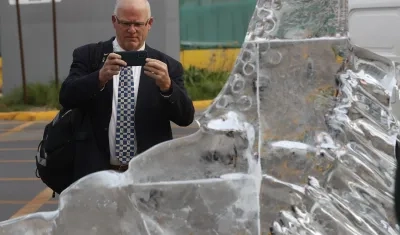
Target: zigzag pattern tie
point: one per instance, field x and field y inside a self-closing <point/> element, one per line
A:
<point x="125" y="124"/>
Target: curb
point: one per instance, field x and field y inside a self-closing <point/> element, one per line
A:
<point x="202" y="104"/>
<point x="49" y="115"/>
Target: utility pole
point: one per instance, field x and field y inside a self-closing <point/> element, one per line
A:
<point x="21" y="52"/>
<point x="55" y="41"/>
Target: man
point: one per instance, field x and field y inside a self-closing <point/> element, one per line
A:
<point x="129" y="108"/>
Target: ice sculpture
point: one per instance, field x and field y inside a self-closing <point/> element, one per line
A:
<point x="300" y="140"/>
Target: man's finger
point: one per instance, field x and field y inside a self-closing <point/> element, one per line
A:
<point x="150" y="69"/>
<point x="152" y="75"/>
<point x="150" y="60"/>
<point x="114" y="67"/>
<point x="156" y="70"/>
<point x="113" y="56"/>
<point x="156" y="65"/>
<point x="117" y="62"/>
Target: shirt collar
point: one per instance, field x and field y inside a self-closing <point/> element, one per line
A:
<point x="117" y="47"/>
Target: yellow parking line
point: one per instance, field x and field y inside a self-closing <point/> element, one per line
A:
<point x="16" y="129"/>
<point x="17" y="161"/>
<point x="4" y="129"/>
<point x="14" y="202"/>
<point x="8" y="123"/>
<point x="20" y="140"/>
<point x="35" y="203"/>
<point x="42" y="197"/>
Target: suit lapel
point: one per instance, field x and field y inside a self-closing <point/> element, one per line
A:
<point x="107" y="49"/>
<point x="145" y="85"/>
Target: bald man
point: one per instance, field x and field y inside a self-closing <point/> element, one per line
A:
<point x="129" y="108"/>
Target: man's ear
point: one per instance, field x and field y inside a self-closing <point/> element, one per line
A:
<point x="150" y="23"/>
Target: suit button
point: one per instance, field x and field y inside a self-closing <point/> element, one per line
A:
<point x="106" y="129"/>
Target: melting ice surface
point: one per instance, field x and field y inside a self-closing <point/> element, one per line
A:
<point x="300" y="140"/>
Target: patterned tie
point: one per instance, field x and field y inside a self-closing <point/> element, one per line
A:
<point x="125" y="126"/>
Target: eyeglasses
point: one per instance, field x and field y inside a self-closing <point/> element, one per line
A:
<point x="128" y="24"/>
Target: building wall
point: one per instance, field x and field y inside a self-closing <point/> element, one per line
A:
<point x="78" y="22"/>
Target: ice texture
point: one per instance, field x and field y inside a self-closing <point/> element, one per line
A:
<point x="300" y="140"/>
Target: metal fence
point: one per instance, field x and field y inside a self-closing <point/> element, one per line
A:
<point x="214" y="23"/>
<point x="211" y="23"/>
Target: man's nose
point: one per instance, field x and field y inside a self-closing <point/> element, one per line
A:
<point x="132" y="28"/>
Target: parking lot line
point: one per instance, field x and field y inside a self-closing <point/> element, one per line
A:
<point x="20" y="139"/>
<point x="9" y="202"/>
<point x="35" y="204"/>
<point x="16" y="129"/>
<point x="7" y="123"/>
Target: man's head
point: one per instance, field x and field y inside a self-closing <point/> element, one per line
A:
<point x="132" y="21"/>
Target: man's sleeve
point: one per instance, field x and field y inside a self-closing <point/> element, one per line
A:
<point x="180" y="106"/>
<point x="81" y="85"/>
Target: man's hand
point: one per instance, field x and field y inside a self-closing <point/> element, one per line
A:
<point x="159" y="72"/>
<point x="110" y="68"/>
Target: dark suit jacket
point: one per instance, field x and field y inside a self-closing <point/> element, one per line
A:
<point x="153" y="111"/>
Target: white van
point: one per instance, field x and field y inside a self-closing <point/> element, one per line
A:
<point x="375" y="25"/>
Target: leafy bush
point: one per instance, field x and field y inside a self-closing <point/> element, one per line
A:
<point x="200" y="83"/>
<point x="37" y="94"/>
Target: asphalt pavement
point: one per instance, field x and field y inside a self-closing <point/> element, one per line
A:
<point x="21" y="192"/>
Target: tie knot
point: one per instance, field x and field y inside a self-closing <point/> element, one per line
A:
<point x="126" y="71"/>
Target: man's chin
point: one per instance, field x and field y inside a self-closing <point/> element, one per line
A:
<point x="132" y="45"/>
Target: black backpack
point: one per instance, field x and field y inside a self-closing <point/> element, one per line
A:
<point x="56" y="151"/>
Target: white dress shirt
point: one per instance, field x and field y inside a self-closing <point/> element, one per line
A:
<point x="111" y="129"/>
